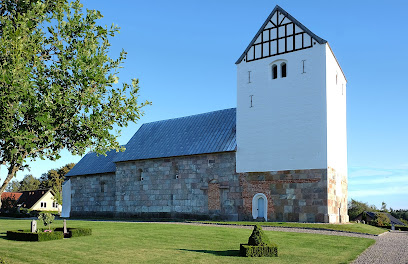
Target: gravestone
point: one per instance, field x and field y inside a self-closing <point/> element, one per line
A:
<point x="393" y="227"/>
<point x="358" y="221"/>
<point x="65" y="226"/>
<point x="363" y="222"/>
<point x="33" y="226"/>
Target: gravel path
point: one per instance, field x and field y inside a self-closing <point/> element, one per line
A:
<point x="392" y="247"/>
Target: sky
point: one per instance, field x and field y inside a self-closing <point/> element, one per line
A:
<point x="184" y="53"/>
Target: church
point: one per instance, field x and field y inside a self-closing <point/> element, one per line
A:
<point x="280" y="155"/>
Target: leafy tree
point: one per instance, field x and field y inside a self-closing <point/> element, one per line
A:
<point x="57" y="83"/>
<point x="355" y="208"/>
<point x="54" y="179"/>
<point x="29" y="183"/>
<point x="13" y="186"/>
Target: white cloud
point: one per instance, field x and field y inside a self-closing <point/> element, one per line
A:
<point x="380" y="191"/>
<point x="382" y="180"/>
<point x="368" y="173"/>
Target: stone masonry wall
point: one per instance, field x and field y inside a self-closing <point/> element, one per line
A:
<point x="200" y="185"/>
<point x="293" y="195"/>
<point x="93" y="194"/>
<point x="207" y="186"/>
<point x="337" y="199"/>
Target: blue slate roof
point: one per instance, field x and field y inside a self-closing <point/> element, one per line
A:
<point x="93" y="164"/>
<point x="197" y="134"/>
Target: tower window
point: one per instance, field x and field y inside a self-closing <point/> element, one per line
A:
<point x="283" y="69"/>
<point x="274" y="71"/>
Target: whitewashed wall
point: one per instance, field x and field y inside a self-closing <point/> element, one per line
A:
<point x="336" y="115"/>
<point x="286" y="127"/>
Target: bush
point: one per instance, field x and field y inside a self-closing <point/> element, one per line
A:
<point x="2" y="261"/>
<point x="381" y="220"/>
<point x="258" y="237"/>
<point x="76" y="232"/>
<point x="258" y="245"/>
<point x="47" y="218"/>
<point x="26" y="235"/>
<point x="259" y="251"/>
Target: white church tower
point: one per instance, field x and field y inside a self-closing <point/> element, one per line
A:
<point x="291" y="117"/>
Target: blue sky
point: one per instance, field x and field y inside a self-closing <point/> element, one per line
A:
<point x="184" y="52"/>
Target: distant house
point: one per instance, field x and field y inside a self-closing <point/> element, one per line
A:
<point x="373" y="215"/>
<point x="9" y="198"/>
<point x="40" y="200"/>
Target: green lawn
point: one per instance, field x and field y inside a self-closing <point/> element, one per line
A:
<point x="350" y="227"/>
<point x="172" y="243"/>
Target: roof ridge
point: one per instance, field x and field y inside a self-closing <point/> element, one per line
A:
<point x="182" y="117"/>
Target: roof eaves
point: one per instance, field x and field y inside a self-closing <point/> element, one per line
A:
<point x="297" y="23"/>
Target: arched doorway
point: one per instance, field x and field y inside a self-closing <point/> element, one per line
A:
<point x="260" y="206"/>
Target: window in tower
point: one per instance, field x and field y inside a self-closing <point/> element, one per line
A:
<point x="283" y="69"/>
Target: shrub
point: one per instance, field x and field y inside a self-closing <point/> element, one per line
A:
<point x="76" y="232"/>
<point x="258" y="245"/>
<point x="381" y="220"/>
<point x="259" y="251"/>
<point x="26" y="235"/>
<point x="258" y="237"/>
<point x="2" y="261"/>
<point x="47" y="218"/>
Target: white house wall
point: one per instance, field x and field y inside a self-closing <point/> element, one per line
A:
<point x="285" y="128"/>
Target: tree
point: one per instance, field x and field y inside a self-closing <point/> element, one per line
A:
<point x="384" y="207"/>
<point x="57" y="83"/>
<point x="54" y="179"/>
<point x="29" y="183"/>
<point x="355" y="208"/>
<point x="13" y="186"/>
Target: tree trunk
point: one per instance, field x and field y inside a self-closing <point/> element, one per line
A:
<point x="11" y="172"/>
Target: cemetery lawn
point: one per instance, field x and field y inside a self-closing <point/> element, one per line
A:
<point x="349" y="227"/>
<point x="121" y="242"/>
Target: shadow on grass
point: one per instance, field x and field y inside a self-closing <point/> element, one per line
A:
<point x="230" y="253"/>
<point x="3" y="235"/>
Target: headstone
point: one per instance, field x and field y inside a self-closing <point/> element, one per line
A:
<point x="393" y="227"/>
<point x="358" y="221"/>
<point x="363" y="222"/>
<point x="65" y="226"/>
<point x="33" y="226"/>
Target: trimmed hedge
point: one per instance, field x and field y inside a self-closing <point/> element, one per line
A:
<point x="270" y="250"/>
<point x="76" y="232"/>
<point x="26" y="235"/>
<point x="397" y="227"/>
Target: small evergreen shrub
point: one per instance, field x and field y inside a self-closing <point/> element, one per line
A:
<point x="258" y="245"/>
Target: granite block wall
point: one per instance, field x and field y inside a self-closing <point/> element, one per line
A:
<point x="293" y="195"/>
<point x="207" y="187"/>
<point x="93" y="195"/>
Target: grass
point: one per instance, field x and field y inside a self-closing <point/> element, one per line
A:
<point x="172" y="243"/>
<point x="350" y="227"/>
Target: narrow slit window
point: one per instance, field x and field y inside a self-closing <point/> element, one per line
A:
<point x="140" y="174"/>
<point x="274" y="71"/>
<point x="283" y="69"/>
